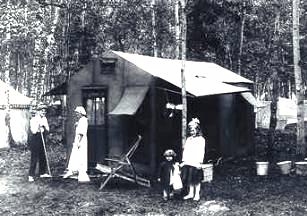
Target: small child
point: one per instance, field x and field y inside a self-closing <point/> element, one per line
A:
<point x="166" y="173"/>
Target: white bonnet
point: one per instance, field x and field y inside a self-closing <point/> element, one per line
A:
<point x="81" y="110"/>
<point x="194" y="122"/>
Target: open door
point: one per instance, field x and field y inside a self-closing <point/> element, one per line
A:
<point x="95" y="103"/>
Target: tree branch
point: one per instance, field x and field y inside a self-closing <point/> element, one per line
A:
<point x="44" y="3"/>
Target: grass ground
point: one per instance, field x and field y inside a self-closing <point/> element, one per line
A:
<point x="235" y="190"/>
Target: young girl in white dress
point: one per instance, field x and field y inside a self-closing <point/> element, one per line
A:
<point x="192" y="158"/>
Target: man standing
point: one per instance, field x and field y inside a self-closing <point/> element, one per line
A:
<point x="38" y="127"/>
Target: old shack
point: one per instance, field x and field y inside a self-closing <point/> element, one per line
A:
<point x="128" y="94"/>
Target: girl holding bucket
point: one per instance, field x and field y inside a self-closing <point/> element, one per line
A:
<point x="192" y="158"/>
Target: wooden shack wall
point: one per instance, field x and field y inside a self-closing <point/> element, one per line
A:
<point x="125" y="74"/>
<point x="227" y="123"/>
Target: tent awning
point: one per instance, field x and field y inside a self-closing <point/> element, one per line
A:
<point x="130" y="101"/>
<point x="169" y="69"/>
<point x="202" y="78"/>
<point x="205" y="87"/>
<point x="250" y="98"/>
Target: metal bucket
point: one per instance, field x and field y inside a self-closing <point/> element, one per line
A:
<point x="285" y="167"/>
<point x="301" y="168"/>
<point x="207" y="172"/>
<point x="262" y="168"/>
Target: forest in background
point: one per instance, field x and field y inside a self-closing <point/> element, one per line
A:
<point x="44" y="42"/>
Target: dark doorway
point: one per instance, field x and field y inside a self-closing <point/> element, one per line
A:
<point x="95" y="103"/>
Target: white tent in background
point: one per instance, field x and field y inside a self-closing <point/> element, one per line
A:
<point x="19" y="116"/>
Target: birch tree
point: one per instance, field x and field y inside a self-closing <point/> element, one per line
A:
<point x="274" y="81"/>
<point x="7" y="77"/>
<point x="299" y="89"/>
<point x="154" y="34"/>
<point x="243" y="20"/>
<point x="177" y="30"/>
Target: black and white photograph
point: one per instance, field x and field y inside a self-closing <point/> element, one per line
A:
<point x="153" y="107"/>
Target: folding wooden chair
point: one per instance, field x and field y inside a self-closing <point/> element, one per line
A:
<point x="117" y="168"/>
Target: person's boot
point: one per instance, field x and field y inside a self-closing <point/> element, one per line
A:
<point x="191" y="193"/>
<point x="45" y="175"/>
<point x="68" y="174"/>
<point x="197" y="192"/>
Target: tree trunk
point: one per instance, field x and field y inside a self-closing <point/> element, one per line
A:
<point x="153" y="95"/>
<point x="183" y="59"/>
<point x="7" y="139"/>
<point x="273" y="118"/>
<point x="275" y="86"/>
<point x="177" y="30"/>
<point x="299" y="90"/>
<point x="36" y="68"/>
<point x="66" y="44"/>
<point x="243" y="17"/>
<point x="154" y="34"/>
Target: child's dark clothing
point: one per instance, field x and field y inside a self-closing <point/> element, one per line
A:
<point x="166" y="169"/>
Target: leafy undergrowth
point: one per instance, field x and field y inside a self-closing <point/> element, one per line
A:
<point x="235" y="190"/>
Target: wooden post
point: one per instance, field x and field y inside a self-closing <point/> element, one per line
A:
<point x="183" y="59"/>
<point x="153" y="147"/>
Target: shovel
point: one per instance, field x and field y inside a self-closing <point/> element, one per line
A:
<point x="48" y="167"/>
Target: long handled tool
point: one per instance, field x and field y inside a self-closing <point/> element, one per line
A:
<point x="48" y="167"/>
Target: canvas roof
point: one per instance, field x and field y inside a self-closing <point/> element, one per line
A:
<point x="15" y="98"/>
<point x="202" y="78"/>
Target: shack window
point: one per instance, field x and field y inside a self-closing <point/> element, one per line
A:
<point x="96" y="111"/>
<point x="107" y="65"/>
<point x="94" y="99"/>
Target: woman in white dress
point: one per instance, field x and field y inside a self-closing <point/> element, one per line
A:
<point x="78" y="158"/>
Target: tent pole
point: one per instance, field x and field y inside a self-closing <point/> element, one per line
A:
<point x="183" y="59"/>
<point x="153" y="128"/>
